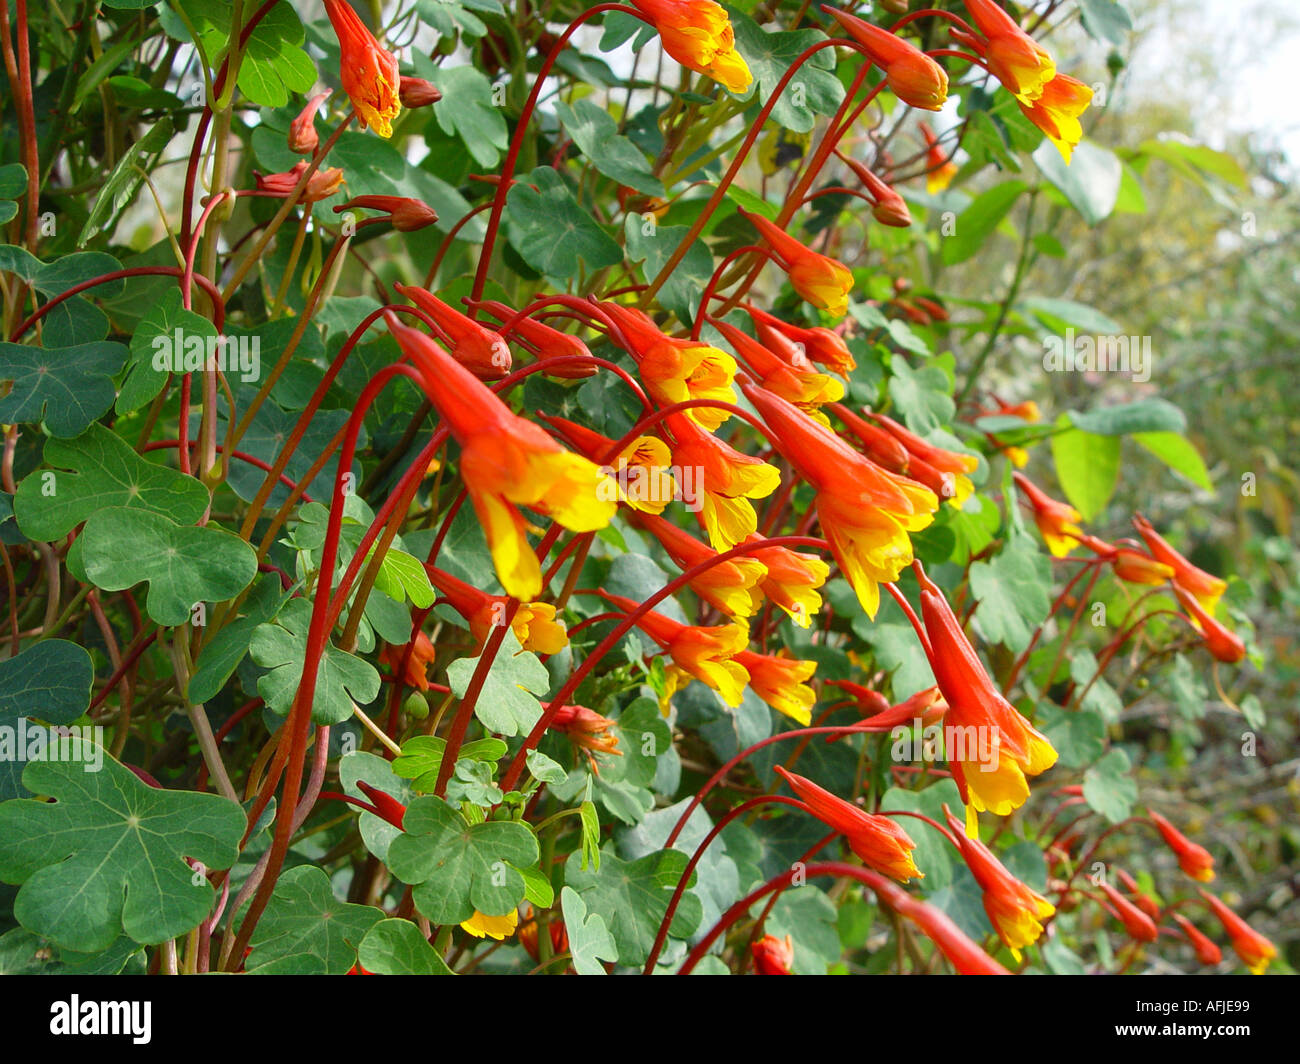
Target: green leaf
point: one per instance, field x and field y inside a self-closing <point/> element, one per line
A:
<point x="933" y="855"/>
<point x="1057" y="314"/>
<point x="682" y="291"/>
<point x="632" y="898"/>
<point x="143" y="381"/>
<point x="396" y="947"/>
<point x="552" y="233"/>
<point x="596" y="134"/>
<point x="1146" y="415"/>
<point x="458" y="868"/>
<point x="807" y="915"/>
<point x="467" y="111"/>
<point x="923" y="396"/>
<point x="1178" y="453"/>
<point x="182" y="565"/>
<point x="274" y="64"/>
<point x="103" y="473"/>
<point x="1012" y="589"/>
<point x="1196" y="159"/>
<point x="544" y="769"/>
<point x="507" y="703"/>
<point x="1090" y="181"/>
<point x="66" y="387"/>
<point x="589" y="939"/>
<point x="306" y="930"/>
<point x="49" y="681"/>
<point x="107" y="856"/>
<point x="1109" y="789"/>
<point x="221" y="656"/>
<point x="341" y="679"/>
<point x="1087" y="465"/>
<point x="13" y="181"/>
<point x="978" y="221"/>
<point x="770" y="55"/>
<point x="1106" y="20"/>
<point x="119" y="191"/>
<point x="590" y="836"/>
<point x="1078" y="735"/>
<point x="402" y="576"/>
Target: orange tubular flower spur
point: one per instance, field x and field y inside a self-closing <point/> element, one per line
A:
<point x="369" y="73"/>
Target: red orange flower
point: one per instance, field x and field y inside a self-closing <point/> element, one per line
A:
<point x="822" y="281"/>
<point x="792" y="580"/>
<point x="773" y="956"/>
<point x="881" y="843"/>
<point x="1057" y="522"/>
<point x="407" y="215"/>
<point x="1207" y="589"/>
<point x="698" y="34"/>
<point x="962" y="953"/>
<point x="1140" y="927"/>
<point x="1206" y="951"/>
<point x="798" y="346"/>
<point x="586" y="729"/>
<point x="303" y="138"/>
<point x="641" y="471"/>
<point x="731" y="586"/>
<point x="781" y="682"/>
<point x="944" y="472"/>
<point x="534" y="623"/>
<point x="1221" y="643"/>
<point x="479" y="349"/>
<point x="939" y="168"/>
<point x="912" y="76"/>
<point x="1193" y="859"/>
<point x="1018" y="61"/>
<point x="1056" y="112"/>
<point x="369" y="73"/>
<point x="797" y="383"/>
<point x="417" y="665"/>
<point x="544" y="341"/>
<point x="1252" y="947"/>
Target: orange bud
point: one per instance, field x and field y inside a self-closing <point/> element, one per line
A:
<point x="912" y="75"/>
<point x="303" y="138"/>
<point x="416" y="92"/>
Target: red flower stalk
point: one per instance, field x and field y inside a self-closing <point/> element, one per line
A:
<point x="1193" y="859"/>
<point x="989" y="746"/>
<point x="1207" y="589"/>
<point x="865" y="512"/>
<point x="1221" y="643"/>
<point x="962" y="953"/>
<point x="416" y="92"/>
<point x="794" y="344"/>
<point x="1140" y="927"/>
<point x="704" y="653"/>
<point x="731" y="586"/>
<point x="507" y="462"/>
<point x="1015" y="911"/>
<point x="877" y="840"/>
<point x="545" y="342"/>
<point x="912" y="76"/>
<point x="773" y="956"/>
<point x="407" y="215"/>
<point x="303" y="137"/>
<point x="1253" y="948"/>
<point x="481" y="350"/>
<point x="1206" y="951"/>
<point x="369" y="73"/>
<point x="824" y="282"/>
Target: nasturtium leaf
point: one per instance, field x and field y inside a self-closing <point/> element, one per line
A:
<point x="306" y="930"/>
<point x="1090" y="181"/>
<point x="596" y="134"/>
<point x="182" y="565"/>
<point x="682" y="291"/>
<point x="467" y="110"/>
<point x="157" y="335"/>
<point x="1108" y="787"/>
<point x="1012" y="591"/>
<point x="219" y="658"/>
<point x="589" y="939"/>
<point x="448" y="16"/>
<point x="1106" y="20"/>
<point x="457" y="867"/>
<point x="507" y="703"/>
<point x="770" y="55"/>
<point x="933" y="855"/>
<point x="49" y="681"/>
<point x="402" y="576"/>
<point x="8" y="211"/>
<point x="807" y="915"/>
<point x="1099" y="696"/>
<point x="1178" y="453"/>
<point x="1087" y="465"/>
<point x="124" y="182"/>
<point x="1059" y="314"/>
<point x="537" y="888"/>
<point x="1143" y="416"/>
<point x="341" y="681"/>
<point x="545" y="769"/>
<point x="107" y="856"/>
<point x="1079" y="735"/>
<point x="13" y="181"/>
<point x="66" y="387"/>
<point x="643" y="735"/>
<point x="632" y="898"/>
<point x="923" y="395"/>
<point x="396" y="947"/>
<point x="978" y="221"/>
<point x="552" y="232"/>
<point x="103" y="473"/>
<point x="76" y="321"/>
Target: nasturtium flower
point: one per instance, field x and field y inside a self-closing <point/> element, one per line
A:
<point x="482" y="351"/>
<point x="888" y="207"/>
<point x="1139" y="898"/>
<point x="1223" y="645"/>
<point x="406" y="215"/>
<point x="698" y="34"/>
<point x="912" y="76"/>
<point x="1140" y="927"/>
<point x="369" y="73"/>
<point x="587" y="730"/>
<point x="1135" y="567"/>
<point x="303" y="137"/>
<point x="416" y="92"/>
<point x="1018" y="61"/>
<point x="674" y="370"/>
<point x="421" y="657"/>
<point x="792" y="580"/>
<point x="799" y="384"/>
<point x="545" y="342"/>
<point x="1016" y="912"/>
<point x="507" y="462"/>
<point x="534" y="624"/>
<point x="321" y="185"/>
<point x="939" y="168"/>
<point x="1193" y="859"/>
<point x="795" y="344"/>
<point x="1206" y="951"/>
<point x="1057" y="522"/>
<point x="782" y="683"/>
<point x="990" y="747"/>
<point x="772" y="955"/>
<point x="719" y="481"/>
<point x="642" y="469"/>
<point x="731" y="586"/>
<point x="963" y="954"/>
<point x="865" y="512"/>
<point x="1206" y="589"/>
<point x="703" y="653"/>
<point x="822" y="281"/>
<point x="1252" y="947"/>
<point x="480" y="925"/>
<point x="1056" y="112"/>
<point x="881" y="843"/>
<point x="944" y="472"/>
